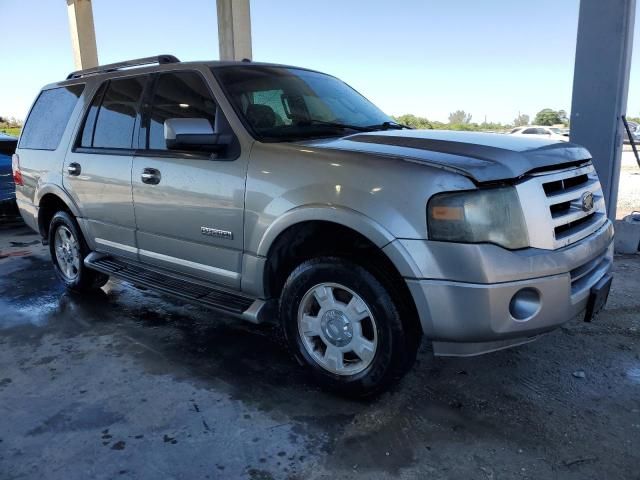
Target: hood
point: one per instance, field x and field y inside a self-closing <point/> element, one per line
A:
<point x="484" y="157"/>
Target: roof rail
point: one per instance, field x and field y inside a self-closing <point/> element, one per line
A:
<point x="112" y="67"/>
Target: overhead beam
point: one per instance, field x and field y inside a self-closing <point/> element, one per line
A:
<point x="601" y="85"/>
<point x="234" y="29"/>
<point x="83" y="35"/>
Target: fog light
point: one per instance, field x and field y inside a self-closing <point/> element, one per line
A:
<point x="524" y="304"/>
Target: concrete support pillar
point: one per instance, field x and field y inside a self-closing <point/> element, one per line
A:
<point x="234" y="29"/>
<point x="83" y="34"/>
<point x="600" y="86"/>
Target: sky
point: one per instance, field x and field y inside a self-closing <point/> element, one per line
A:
<point x="491" y="58"/>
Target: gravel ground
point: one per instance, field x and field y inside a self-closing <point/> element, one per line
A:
<point x="629" y="187"/>
<point x="128" y="384"/>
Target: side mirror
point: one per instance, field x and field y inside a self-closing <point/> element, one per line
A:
<point x="194" y="134"/>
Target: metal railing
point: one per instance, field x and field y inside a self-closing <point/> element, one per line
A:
<point x="112" y="67"/>
<point x="632" y="140"/>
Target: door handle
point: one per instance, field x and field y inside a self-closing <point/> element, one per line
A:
<point x="150" y="176"/>
<point x="74" y="169"/>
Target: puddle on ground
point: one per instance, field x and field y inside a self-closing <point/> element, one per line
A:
<point x="25" y="244"/>
<point x="37" y="313"/>
<point x="633" y="374"/>
<point x="14" y="253"/>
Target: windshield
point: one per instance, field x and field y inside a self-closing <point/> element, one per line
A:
<point x="281" y="104"/>
<point x="556" y="130"/>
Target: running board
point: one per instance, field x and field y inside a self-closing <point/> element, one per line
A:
<point x="180" y="286"/>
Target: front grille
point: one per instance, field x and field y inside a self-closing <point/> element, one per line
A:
<point x="564" y="193"/>
<point x="562" y="219"/>
<point x="562" y="230"/>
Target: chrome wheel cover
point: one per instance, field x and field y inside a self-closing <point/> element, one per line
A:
<point x="67" y="252"/>
<point x="337" y="329"/>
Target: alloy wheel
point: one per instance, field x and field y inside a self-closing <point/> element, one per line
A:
<point x="337" y="329"/>
<point x="67" y="252"/>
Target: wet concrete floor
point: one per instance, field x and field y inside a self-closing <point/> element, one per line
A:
<point x="130" y="384"/>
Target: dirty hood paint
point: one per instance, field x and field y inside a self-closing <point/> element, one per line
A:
<point x="482" y="156"/>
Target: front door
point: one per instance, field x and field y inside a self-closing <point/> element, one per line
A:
<point x="189" y="206"/>
<point x="97" y="172"/>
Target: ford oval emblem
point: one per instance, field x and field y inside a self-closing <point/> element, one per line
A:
<point x="587" y="201"/>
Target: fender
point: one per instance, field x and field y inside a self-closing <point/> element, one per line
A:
<point x="344" y="216"/>
<point x="50" y="188"/>
<point x="366" y="226"/>
<point x="58" y="192"/>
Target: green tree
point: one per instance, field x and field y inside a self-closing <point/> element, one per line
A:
<point x="547" y="116"/>
<point x="521" y="120"/>
<point x="491" y="126"/>
<point x="462" y="118"/>
<point x="459" y="117"/>
<point x="564" y="118"/>
<point x="413" y="121"/>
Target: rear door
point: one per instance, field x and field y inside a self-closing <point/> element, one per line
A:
<point x="190" y="214"/>
<point x="97" y="172"/>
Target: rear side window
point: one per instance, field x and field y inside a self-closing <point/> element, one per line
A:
<point x="86" y="140"/>
<point x="111" y="118"/>
<point x="48" y="118"/>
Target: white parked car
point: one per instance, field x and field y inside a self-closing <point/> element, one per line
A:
<point x="550" y="133"/>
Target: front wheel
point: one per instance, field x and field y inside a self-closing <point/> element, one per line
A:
<point x="68" y="249"/>
<point x="344" y="325"/>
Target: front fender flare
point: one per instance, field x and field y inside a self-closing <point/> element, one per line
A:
<point x="344" y="216"/>
<point x="253" y="269"/>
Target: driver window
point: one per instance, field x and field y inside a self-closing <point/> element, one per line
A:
<point x="178" y="95"/>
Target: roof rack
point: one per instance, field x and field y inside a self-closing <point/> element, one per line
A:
<point x="112" y="67"/>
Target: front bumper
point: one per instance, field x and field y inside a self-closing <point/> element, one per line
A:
<point x="470" y="311"/>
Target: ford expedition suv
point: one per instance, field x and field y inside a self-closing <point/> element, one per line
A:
<point x="277" y="193"/>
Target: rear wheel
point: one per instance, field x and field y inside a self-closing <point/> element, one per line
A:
<point x="343" y="324"/>
<point x="68" y="250"/>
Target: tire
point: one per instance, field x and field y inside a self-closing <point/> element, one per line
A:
<point x="359" y="314"/>
<point x="68" y="250"/>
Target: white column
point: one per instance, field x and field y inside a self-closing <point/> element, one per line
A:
<point x="83" y="35"/>
<point x="234" y="29"/>
<point x="600" y="86"/>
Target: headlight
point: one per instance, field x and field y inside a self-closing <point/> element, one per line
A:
<point x="478" y="216"/>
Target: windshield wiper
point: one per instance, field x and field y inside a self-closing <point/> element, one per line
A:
<point x="389" y="126"/>
<point x="358" y="128"/>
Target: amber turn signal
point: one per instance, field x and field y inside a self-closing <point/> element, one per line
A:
<point x="447" y="213"/>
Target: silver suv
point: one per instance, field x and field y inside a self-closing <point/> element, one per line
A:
<point x="279" y="193"/>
